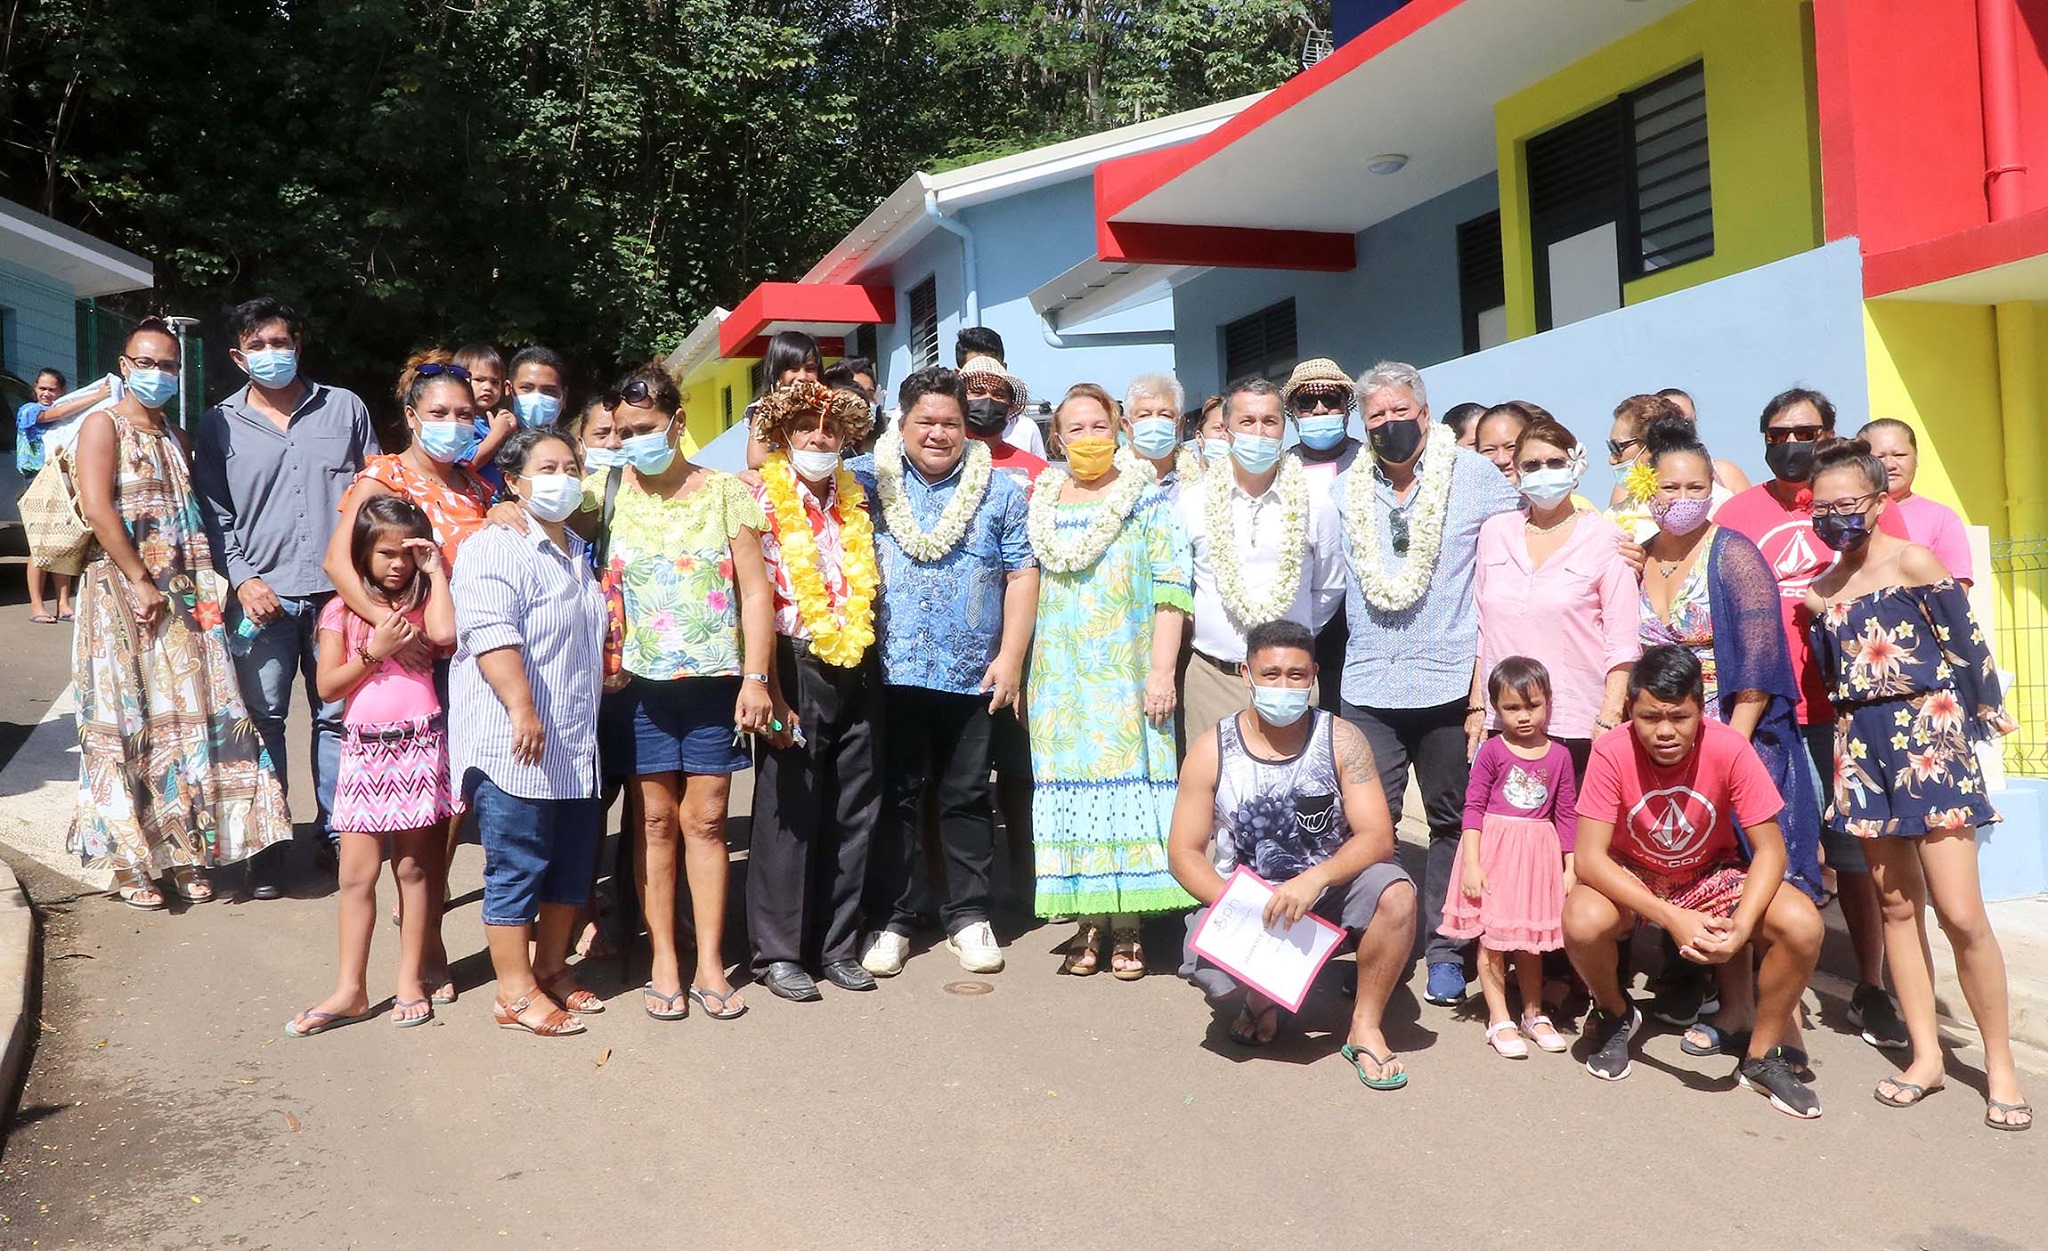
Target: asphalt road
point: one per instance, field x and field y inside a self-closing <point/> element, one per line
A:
<point x="166" y="1108"/>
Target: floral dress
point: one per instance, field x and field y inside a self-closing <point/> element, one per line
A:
<point x="170" y="772"/>
<point x="672" y="562"/>
<point x="1914" y="686"/>
<point x="1104" y="775"/>
<point x="454" y="512"/>
<point x="1690" y="625"/>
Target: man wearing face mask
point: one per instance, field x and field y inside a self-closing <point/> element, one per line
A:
<point x="1266" y="549"/>
<point x="270" y="464"/>
<point x="1777" y="516"/>
<point x="1319" y="397"/>
<point x="1292" y="794"/>
<point x="1152" y="403"/>
<point x="996" y="397"/>
<point x="1410" y="517"/>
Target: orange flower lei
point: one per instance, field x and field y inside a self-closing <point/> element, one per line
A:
<point x="839" y="638"/>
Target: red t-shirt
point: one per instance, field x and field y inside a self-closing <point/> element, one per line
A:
<point x="1784" y="533"/>
<point x="1019" y="464"/>
<point x="1678" y="821"/>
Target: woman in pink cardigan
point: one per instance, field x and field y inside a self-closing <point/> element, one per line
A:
<point x="1551" y="585"/>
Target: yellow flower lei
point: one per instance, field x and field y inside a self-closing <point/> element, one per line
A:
<point x="839" y="638"/>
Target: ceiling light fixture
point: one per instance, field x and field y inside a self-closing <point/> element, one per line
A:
<point x="1387" y="163"/>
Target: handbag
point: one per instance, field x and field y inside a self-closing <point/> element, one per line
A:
<point x="610" y="581"/>
<point x="59" y="539"/>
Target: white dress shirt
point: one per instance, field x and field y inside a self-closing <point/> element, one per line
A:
<point x="1256" y="522"/>
<point x="1023" y="433"/>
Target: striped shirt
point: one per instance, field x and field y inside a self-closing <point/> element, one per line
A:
<point x="520" y="590"/>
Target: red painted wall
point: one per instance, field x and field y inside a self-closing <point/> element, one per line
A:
<point x="2033" y="67"/>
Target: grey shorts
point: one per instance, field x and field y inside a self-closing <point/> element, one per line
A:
<point x="1844" y="852"/>
<point x="1352" y="907"/>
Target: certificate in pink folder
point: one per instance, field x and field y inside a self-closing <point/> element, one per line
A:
<point x="1280" y="963"/>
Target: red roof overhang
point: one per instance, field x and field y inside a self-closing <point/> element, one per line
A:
<point x="823" y="310"/>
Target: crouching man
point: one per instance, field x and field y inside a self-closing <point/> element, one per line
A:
<point x="1664" y="795"/>
<point x="1291" y="793"/>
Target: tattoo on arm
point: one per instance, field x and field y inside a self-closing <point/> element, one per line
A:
<point x="1354" y="756"/>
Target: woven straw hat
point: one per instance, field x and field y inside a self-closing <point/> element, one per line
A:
<point x="777" y="409"/>
<point x="987" y="366"/>
<point x="1317" y="372"/>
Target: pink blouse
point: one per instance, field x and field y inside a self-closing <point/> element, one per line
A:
<point x="1935" y="526"/>
<point x="1579" y="613"/>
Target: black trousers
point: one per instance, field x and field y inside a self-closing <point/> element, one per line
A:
<point x="936" y="739"/>
<point x="1433" y="740"/>
<point x="815" y="807"/>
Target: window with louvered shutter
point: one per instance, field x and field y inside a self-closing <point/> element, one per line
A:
<point x="924" y="324"/>
<point x="1261" y="344"/>
<point x="1482" y="282"/>
<point x="1671" y="191"/>
<point x="757" y="379"/>
<point x="725" y="405"/>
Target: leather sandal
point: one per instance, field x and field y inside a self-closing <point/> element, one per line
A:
<point x="1124" y="945"/>
<point x="1083" y="947"/>
<point x="559" y="1023"/>
<point x="578" y="1000"/>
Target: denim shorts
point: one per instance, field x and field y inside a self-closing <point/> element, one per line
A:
<point x="1844" y="851"/>
<point x="684" y="726"/>
<point x="536" y="851"/>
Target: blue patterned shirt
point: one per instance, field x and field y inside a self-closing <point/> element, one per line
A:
<point x="1423" y="655"/>
<point x="941" y="624"/>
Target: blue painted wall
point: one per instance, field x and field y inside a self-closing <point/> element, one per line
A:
<point x="1023" y="242"/>
<point x="40" y="319"/>
<point x="1732" y="343"/>
<point x="1400" y="303"/>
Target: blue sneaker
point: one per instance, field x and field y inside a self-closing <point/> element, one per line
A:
<point x="1446" y="984"/>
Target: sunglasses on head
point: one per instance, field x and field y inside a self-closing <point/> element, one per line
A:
<point x="439" y="371"/>
<point x="635" y="394"/>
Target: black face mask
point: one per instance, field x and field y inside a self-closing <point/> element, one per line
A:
<point x="987" y="416"/>
<point x="1396" y="441"/>
<point x="1843" y="531"/>
<point x="1791" y="462"/>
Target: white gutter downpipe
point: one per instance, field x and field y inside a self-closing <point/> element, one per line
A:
<point x="970" y="274"/>
<point x="1107" y="338"/>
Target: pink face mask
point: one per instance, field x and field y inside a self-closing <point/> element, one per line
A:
<point x="1681" y="517"/>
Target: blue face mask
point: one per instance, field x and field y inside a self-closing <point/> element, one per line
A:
<point x="1323" y="431"/>
<point x="597" y="458"/>
<point x="1256" y="452"/>
<point x="535" y="408"/>
<point x="153" y="387"/>
<point x="1280" y="705"/>
<point x="272" y="367"/>
<point x="443" y="441"/>
<point x="1215" y="451"/>
<point x="1154" y="437"/>
<point x="649" y="454"/>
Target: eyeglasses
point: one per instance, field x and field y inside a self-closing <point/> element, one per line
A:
<point x="1620" y="447"/>
<point x="144" y="362"/>
<point x="1309" y="401"/>
<point x="1555" y="462"/>
<point x="1843" y="507"/>
<point x="1397" y="530"/>
<point x="432" y="370"/>
<point x="1793" y="434"/>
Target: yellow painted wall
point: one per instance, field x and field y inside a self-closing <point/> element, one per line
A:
<point x="703" y="405"/>
<point x="1935" y="367"/>
<point x="1761" y="138"/>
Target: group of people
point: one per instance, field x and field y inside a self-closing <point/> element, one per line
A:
<point x="1203" y="640"/>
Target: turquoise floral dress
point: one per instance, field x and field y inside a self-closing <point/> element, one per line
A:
<point x="1914" y="687"/>
<point x="1104" y="775"/>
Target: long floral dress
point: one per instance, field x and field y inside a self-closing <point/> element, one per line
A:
<point x="1914" y="687"/>
<point x="1103" y="775"/>
<point x="171" y="772"/>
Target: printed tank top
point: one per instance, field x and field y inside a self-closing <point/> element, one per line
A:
<point x="1278" y="817"/>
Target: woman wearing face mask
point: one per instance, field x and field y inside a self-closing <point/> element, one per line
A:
<point x="172" y="778"/>
<point x="1113" y="599"/>
<point x="1551" y="584"/>
<point x="1709" y="589"/>
<point x="1209" y="438"/>
<point x="1914" y="689"/>
<point x="684" y="547"/>
<point x="1628" y="452"/>
<point x="522" y="731"/>
<point x="1152" y="402"/>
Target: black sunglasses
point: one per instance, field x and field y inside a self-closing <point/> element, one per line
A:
<point x="1620" y="447"/>
<point x="635" y="394"/>
<point x="1309" y="401"/>
<point x="431" y="370"/>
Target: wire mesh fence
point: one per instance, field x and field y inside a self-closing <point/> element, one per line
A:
<point x="2021" y="569"/>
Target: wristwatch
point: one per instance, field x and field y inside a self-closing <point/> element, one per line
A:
<point x="762" y="678"/>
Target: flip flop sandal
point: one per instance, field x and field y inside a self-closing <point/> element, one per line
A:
<point x="671" y="1014"/>
<point x="1352" y="1053"/>
<point x="322" y="1022"/>
<point x="44" y="618"/>
<point x="1249" y="1037"/>
<point x="2011" y="1110"/>
<point x="64" y="616"/>
<point x="1720" y="1042"/>
<point x="127" y="895"/>
<point x="1913" y="1093"/>
<point x="438" y="999"/>
<point x="409" y="1022"/>
<point x="721" y="1012"/>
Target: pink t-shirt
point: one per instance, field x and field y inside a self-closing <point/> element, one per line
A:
<point x="1935" y="526"/>
<point x="392" y="692"/>
<point x="1796" y="556"/>
<point x="1678" y="821"/>
<point x="1579" y="612"/>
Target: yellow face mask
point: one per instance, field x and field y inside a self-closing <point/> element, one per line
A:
<point x="1090" y="458"/>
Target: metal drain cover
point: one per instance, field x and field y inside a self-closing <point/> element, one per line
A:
<point x="968" y="988"/>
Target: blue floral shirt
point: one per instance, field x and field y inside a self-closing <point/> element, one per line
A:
<point x="941" y="624"/>
<point x="28" y="440"/>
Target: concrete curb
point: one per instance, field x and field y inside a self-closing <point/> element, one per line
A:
<point x="18" y="971"/>
<point x="38" y="794"/>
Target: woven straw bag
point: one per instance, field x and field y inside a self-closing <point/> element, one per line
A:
<point x="58" y="538"/>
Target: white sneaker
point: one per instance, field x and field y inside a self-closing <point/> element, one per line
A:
<point x="884" y="954"/>
<point x="977" y="948"/>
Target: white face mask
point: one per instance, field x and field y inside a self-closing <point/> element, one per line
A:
<point x="553" y="496"/>
<point x="813" y="466"/>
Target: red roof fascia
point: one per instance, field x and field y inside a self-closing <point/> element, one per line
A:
<point x="1239" y="247"/>
<point x="842" y="303"/>
<point x="1952" y="255"/>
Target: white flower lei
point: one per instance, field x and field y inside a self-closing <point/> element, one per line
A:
<point x="1073" y="555"/>
<point x="1401" y="589"/>
<point x="917" y="543"/>
<point x="1245" y="609"/>
<point x="1187" y="465"/>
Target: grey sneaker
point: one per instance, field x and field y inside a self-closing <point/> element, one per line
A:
<point x="1610" y="1035"/>
<point x="1771" y="1075"/>
<point x="1871" y="1010"/>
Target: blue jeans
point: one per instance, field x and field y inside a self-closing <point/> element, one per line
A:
<point x="287" y="648"/>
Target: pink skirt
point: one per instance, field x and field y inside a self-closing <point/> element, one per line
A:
<point x="388" y="785"/>
<point x="1523" y="907"/>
